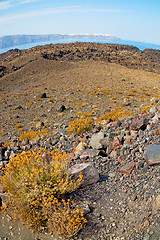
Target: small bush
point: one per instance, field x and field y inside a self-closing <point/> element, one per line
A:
<point x="50" y="100"/>
<point x="114" y="115"/>
<point x="32" y="135"/>
<point x="30" y="102"/>
<point x="105" y="91"/>
<point x="80" y="125"/>
<point x="18" y="125"/>
<point x="80" y="105"/>
<point x="7" y="144"/>
<point x="38" y="181"/>
<point x="38" y="99"/>
<point x="70" y="101"/>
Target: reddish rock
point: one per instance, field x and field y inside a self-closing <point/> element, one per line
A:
<point x="139" y="124"/>
<point x="128" y="168"/>
<point x="90" y="173"/>
<point x="119" y="160"/>
<point x="116" y="143"/>
<point x="114" y="124"/>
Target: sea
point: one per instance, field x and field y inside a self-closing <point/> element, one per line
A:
<point x="140" y="45"/>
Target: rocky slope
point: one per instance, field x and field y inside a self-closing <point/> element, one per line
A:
<point x="47" y="87"/>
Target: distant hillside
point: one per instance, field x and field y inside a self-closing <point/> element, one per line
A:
<point x="13" y="40"/>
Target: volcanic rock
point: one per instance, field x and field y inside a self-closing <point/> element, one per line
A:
<point x="90" y="173"/>
<point x="152" y="155"/>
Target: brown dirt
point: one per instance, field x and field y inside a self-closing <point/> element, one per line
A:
<point x="94" y="86"/>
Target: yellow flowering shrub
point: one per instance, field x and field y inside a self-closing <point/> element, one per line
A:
<point x="80" y="125"/>
<point x="80" y="105"/>
<point x="18" y="125"/>
<point x="38" y="182"/>
<point x="32" y="135"/>
<point x="114" y="115"/>
<point x="38" y="99"/>
<point x="30" y="102"/>
<point x="50" y="100"/>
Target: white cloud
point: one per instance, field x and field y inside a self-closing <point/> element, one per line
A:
<point x="26" y="1"/>
<point x="11" y="3"/>
<point x="4" y="5"/>
<point x="51" y="11"/>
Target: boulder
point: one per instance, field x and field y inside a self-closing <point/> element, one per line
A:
<point x="43" y="95"/>
<point x="152" y="155"/>
<point x="85" y="207"/>
<point x="95" y="141"/>
<point x="79" y="148"/>
<point x="139" y="124"/>
<point x="61" y="108"/>
<point x="89" y="172"/>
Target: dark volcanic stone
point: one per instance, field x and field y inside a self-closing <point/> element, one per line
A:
<point x="152" y="155"/>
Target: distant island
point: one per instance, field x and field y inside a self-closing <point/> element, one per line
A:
<point x="14" y="40"/>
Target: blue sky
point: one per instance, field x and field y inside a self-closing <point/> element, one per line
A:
<point x="137" y="20"/>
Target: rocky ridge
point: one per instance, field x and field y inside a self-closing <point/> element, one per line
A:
<point x="128" y="56"/>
